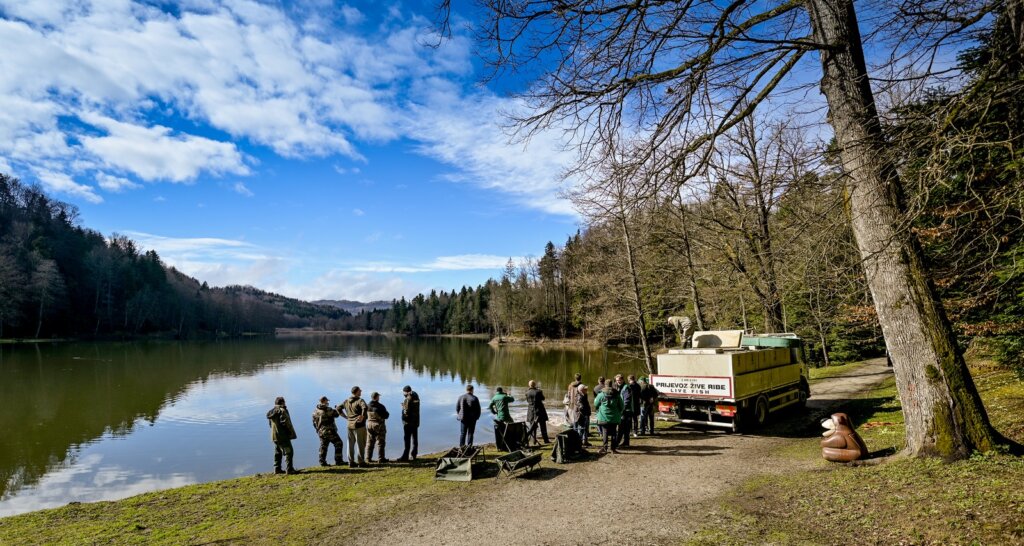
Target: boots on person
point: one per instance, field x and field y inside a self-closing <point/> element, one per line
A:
<point x="291" y="468"/>
<point x="277" y="470"/>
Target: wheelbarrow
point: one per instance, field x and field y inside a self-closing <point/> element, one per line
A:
<point x="518" y="462"/>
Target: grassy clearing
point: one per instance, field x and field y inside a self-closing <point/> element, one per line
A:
<point x="977" y="501"/>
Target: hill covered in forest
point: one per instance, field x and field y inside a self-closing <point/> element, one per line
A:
<point x="60" y="279"/>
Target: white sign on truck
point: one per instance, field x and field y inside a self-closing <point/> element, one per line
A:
<point x="699" y="386"/>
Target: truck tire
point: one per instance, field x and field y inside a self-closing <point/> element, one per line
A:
<point x="804" y="394"/>
<point x="739" y="421"/>
<point x="760" y="412"/>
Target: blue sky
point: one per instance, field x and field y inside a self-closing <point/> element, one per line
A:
<point x="318" y="149"/>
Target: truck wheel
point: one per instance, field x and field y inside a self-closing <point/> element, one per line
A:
<point x="804" y="393"/>
<point x="739" y="421"/>
<point x="761" y="411"/>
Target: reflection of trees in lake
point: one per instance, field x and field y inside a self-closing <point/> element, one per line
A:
<point x="507" y="366"/>
<point x="60" y="396"/>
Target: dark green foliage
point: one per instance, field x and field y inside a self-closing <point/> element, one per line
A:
<point x="964" y="168"/>
<point x="58" y="279"/>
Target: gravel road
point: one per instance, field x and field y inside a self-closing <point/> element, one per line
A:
<point x="667" y="480"/>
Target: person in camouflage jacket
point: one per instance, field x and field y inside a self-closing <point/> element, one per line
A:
<point x="327" y="429"/>
<point x="282" y="433"/>
<point x="376" y="427"/>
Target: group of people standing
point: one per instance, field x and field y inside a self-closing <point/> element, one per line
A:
<point x="366" y="426"/>
<point x="621" y="407"/>
<point x="624" y="407"/>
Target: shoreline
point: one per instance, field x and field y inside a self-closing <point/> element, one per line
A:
<point x="402" y="501"/>
<point x="512" y="341"/>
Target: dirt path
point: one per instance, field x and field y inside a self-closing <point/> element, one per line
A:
<point x="667" y="478"/>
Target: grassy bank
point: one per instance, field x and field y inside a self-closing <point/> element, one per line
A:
<point x="262" y="509"/>
<point x="976" y="501"/>
<point x="334" y="505"/>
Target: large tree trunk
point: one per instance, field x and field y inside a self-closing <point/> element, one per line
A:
<point x="943" y="412"/>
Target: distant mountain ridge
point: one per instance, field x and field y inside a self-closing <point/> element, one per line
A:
<point x="355" y="307"/>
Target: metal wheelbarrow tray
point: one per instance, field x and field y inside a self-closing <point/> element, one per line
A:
<point x="521" y="461"/>
<point x="457" y="464"/>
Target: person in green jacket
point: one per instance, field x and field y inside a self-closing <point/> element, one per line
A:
<point x="608" y="406"/>
<point x="282" y="433"/>
<point x="500" y="406"/>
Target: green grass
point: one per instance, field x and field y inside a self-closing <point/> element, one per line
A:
<point x="262" y="509"/>
<point x="333" y="504"/>
<point x="906" y="501"/>
<point x="832" y="371"/>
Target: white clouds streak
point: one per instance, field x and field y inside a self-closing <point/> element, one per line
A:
<point x="221" y="262"/>
<point x="85" y="83"/>
<point x="461" y="262"/>
<point x="242" y="189"/>
<point x="61" y="183"/>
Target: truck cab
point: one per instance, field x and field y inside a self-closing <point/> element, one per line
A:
<point x="731" y="380"/>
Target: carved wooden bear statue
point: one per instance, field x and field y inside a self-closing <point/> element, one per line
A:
<point x="841" y="444"/>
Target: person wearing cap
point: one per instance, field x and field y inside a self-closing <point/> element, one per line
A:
<point x="323" y="422"/>
<point x="467" y="410"/>
<point x="282" y="433"/>
<point x="648" y="401"/>
<point x="410" y="423"/>
<point x="354" y="411"/>
<point x="376" y="427"/>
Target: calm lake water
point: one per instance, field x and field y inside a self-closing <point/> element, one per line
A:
<point x="102" y="421"/>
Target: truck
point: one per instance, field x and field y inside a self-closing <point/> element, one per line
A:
<point x="731" y="379"/>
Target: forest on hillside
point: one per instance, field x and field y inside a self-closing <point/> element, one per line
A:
<point x="762" y="238"/>
<point x="58" y="279"/>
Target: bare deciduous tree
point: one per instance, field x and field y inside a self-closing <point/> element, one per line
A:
<point x="678" y="75"/>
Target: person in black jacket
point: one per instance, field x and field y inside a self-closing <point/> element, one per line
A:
<point x="410" y="423"/>
<point x="583" y="422"/>
<point x="630" y="393"/>
<point x="648" y="403"/>
<point x="536" y="413"/>
<point x="468" y="411"/>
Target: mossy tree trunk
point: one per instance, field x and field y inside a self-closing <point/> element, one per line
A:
<point x="944" y="414"/>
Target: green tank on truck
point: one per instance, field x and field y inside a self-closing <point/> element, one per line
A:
<point x="731" y="380"/>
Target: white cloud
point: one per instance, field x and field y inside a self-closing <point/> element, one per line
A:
<point x="358" y="286"/>
<point x="153" y="153"/>
<point x="243" y="68"/>
<point x="164" y="244"/>
<point x="466" y="133"/>
<point x="461" y="262"/>
<point x="255" y="74"/>
<point x="241" y="189"/>
<point x="115" y="184"/>
<point x="61" y="183"/>
<point x="358" y="212"/>
<point x="352" y="15"/>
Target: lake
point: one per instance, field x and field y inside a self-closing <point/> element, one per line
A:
<point x="107" y="420"/>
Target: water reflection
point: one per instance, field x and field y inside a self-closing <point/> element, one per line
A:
<point x="95" y="421"/>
